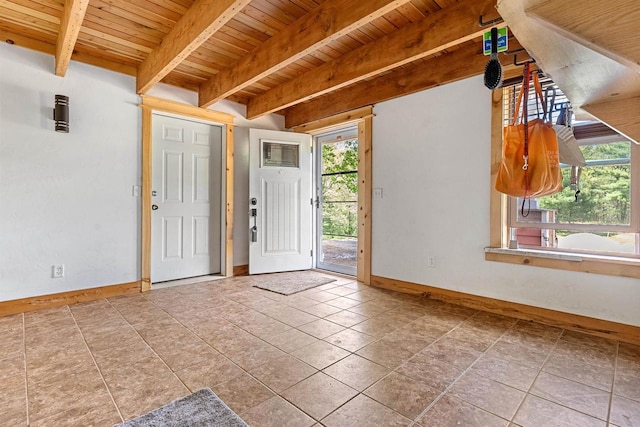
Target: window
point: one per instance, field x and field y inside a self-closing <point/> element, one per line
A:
<point x="278" y="154"/>
<point x="597" y="214"/>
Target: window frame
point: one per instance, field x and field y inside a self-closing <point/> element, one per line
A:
<point x="555" y="258"/>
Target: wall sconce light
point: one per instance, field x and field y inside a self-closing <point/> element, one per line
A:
<point x="61" y="113"/>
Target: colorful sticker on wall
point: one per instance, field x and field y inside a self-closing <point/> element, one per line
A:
<point x="503" y="43"/>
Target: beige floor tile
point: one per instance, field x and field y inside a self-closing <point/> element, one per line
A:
<point x="625" y="412"/>
<point x="251" y="352"/>
<point x="627" y="383"/>
<point x="12" y="378"/>
<point x="102" y="342"/>
<point x="178" y="354"/>
<point x="511" y="374"/>
<point x="530" y="339"/>
<point x="320" y="354"/>
<point x="380" y="325"/>
<point x="407" y="396"/>
<point x="489" y="395"/>
<point x="242" y="393"/>
<point x="343" y="303"/>
<point x="276" y="412"/>
<point x="291" y="316"/>
<point x="13" y="412"/>
<point x="356" y="372"/>
<point x="491" y="322"/>
<point x="350" y="339"/>
<point x="629" y="356"/>
<point x="477" y="339"/>
<point x="346" y="318"/>
<point x="320" y="296"/>
<point x="291" y="340"/>
<point x="430" y="327"/>
<point x="591" y="401"/>
<point x="142" y="386"/>
<point x="268" y="327"/>
<point x="365" y="412"/>
<point x="435" y="372"/>
<point x="581" y="353"/>
<point x="537" y="328"/>
<point x="390" y="351"/>
<point x="77" y="391"/>
<point x="589" y="340"/>
<point x="282" y="373"/>
<point x="215" y="370"/>
<point x="521" y="355"/>
<point x="12" y="321"/>
<point x="451" y="412"/>
<point x="96" y="413"/>
<point x="48" y="315"/>
<point x="341" y="290"/>
<point x="321" y="309"/>
<point x="591" y="375"/>
<point x="321" y="328"/>
<point x="456" y="352"/>
<point x="536" y="412"/>
<point x="367" y="309"/>
<point x="299" y="302"/>
<point x="319" y="395"/>
<point x="47" y="332"/>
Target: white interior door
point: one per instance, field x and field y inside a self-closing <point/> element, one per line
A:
<point x="187" y="171"/>
<point x="280" y="185"/>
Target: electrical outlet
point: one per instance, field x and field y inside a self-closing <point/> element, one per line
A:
<point x="57" y="271"/>
<point x="377" y="193"/>
<point x="431" y="262"/>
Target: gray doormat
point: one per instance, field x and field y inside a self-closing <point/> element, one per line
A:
<point x="292" y="282"/>
<point x="200" y="409"/>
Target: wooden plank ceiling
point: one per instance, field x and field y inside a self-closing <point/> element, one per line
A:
<point x="305" y="59"/>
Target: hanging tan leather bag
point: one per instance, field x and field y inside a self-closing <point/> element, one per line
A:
<point x="530" y="160"/>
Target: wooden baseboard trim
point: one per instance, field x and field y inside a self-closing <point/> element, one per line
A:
<point x="241" y="270"/>
<point x="574" y="322"/>
<point x="64" y="298"/>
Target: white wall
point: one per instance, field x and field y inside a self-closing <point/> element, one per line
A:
<point x="431" y="157"/>
<point x="66" y="198"/>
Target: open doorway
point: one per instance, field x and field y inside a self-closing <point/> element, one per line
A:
<point x="336" y="201"/>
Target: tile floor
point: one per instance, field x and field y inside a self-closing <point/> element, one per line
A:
<point x="342" y="354"/>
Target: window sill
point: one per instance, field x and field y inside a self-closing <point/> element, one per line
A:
<point x="586" y="263"/>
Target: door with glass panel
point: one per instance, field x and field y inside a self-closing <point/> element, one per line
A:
<point x="336" y="200"/>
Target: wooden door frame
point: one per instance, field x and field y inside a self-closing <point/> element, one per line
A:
<point x="363" y="118"/>
<point x="150" y="104"/>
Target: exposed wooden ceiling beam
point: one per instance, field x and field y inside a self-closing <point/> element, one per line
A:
<point x="435" y="33"/>
<point x="74" y="11"/>
<point x="324" y="24"/>
<point x="200" y="22"/>
<point x="609" y="28"/>
<point x="465" y="62"/>
<point x="622" y="115"/>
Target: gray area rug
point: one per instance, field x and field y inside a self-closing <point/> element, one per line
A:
<point x="200" y="409"/>
<point x="291" y="283"/>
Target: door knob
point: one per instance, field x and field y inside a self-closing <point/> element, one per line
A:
<point x="154" y="207"/>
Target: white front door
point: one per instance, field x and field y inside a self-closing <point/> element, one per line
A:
<point x="187" y="171"/>
<point x="280" y="187"/>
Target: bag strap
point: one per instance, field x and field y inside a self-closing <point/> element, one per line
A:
<point x="527" y="77"/>
<point x="538" y="90"/>
<point x="525" y="118"/>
